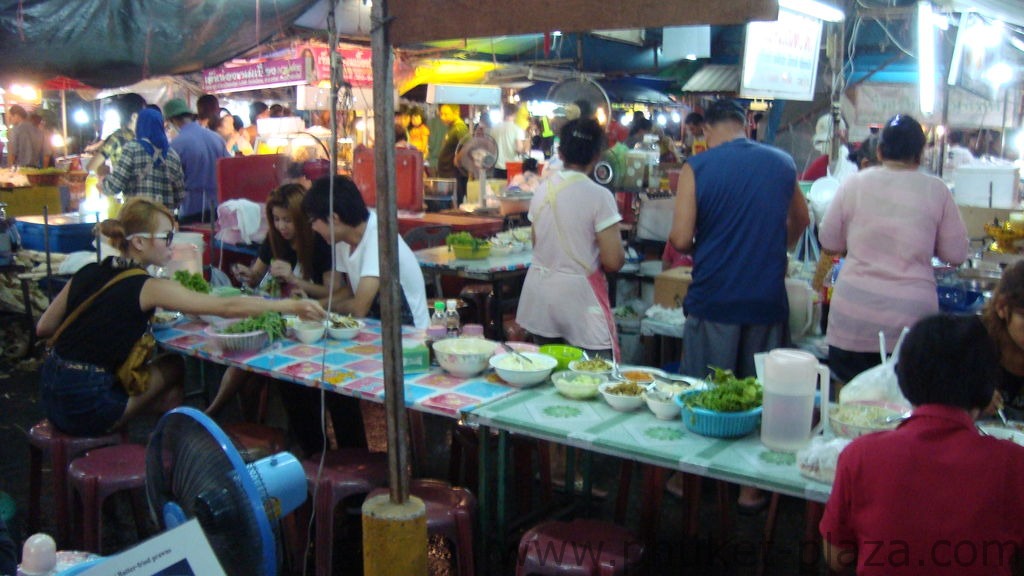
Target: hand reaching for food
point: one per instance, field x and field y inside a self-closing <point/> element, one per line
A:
<point x="308" y="309"/>
<point x="281" y="270"/>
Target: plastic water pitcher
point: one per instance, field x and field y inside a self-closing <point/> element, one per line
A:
<point x="790" y="380"/>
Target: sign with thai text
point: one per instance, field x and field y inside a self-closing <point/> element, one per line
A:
<point x="266" y="74"/>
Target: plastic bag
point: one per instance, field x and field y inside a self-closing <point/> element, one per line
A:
<point x="818" y="459"/>
<point x="241" y="221"/>
<point x="877" y="384"/>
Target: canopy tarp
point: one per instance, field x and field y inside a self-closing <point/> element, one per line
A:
<point x="107" y="43"/>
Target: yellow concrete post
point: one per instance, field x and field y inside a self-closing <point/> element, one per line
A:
<point x="394" y="537"/>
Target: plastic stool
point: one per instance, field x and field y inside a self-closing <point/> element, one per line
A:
<point x="62" y="448"/>
<point x="101" y="473"/>
<point x="614" y="549"/>
<point x="451" y="514"/>
<point x="347" y="472"/>
<point x="256" y="440"/>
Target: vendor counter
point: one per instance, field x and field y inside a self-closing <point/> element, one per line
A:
<point x="479" y="226"/>
<point x="29" y="200"/>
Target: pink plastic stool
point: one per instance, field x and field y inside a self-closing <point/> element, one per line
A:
<point x="44" y="438"/>
<point x="591" y="548"/>
<point x="99" y="474"/>
<point x="347" y="472"/>
<point x="451" y="514"/>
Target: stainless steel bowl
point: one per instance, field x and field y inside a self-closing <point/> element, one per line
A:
<point x="439" y="186"/>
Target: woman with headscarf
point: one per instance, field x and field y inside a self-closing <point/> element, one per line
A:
<point x="148" y="166"/>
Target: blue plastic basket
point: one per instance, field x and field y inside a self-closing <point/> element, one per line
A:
<point x="717" y="424"/>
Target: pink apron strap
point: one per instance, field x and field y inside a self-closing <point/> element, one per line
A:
<point x="599" y="284"/>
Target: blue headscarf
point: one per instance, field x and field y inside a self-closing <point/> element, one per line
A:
<point x="149" y="132"/>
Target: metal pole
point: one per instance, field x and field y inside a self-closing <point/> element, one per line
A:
<point x="64" y="117"/>
<point x="387" y="227"/>
<point x="395" y="527"/>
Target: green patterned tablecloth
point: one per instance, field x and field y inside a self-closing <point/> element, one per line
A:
<point x="593" y="425"/>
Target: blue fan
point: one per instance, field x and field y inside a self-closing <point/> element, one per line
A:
<point x="194" y="471"/>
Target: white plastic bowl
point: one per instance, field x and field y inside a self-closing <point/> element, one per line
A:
<point x="620" y="402"/>
<point x="663" y="409"/>
<point x="575" y="367"/>
<point x="520" y="373"/>
<point x="577" y="385"/>
<point x="309" y="332"/>
<point x="345" y="333"/>
<point x="464" y="357"/>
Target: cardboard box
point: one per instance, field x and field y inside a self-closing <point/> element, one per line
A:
<point x="671" y="285"/>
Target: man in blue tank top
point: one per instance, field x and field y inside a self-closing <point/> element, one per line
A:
<point x="738" y="208"/>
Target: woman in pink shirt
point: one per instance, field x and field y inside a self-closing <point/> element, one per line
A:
<point x="576" y="240"/>
<point x="890" y="220"/>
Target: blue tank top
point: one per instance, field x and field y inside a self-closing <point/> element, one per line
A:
<point x="739" y="261"/>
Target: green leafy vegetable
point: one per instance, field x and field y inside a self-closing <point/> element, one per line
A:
<point x="465" y="239"/>
<point x="270" y="322"/>
<point x="727" y="393"/>
<point x="194" y="282"/>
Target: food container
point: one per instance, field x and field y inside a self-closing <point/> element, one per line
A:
<point x="344" y="333"/>
<point x="594" y="366"/>
<point x="663" y="408"/>
<point x="717" y="424"/>
<point x="464" y="357"/>
<point x="577" y="386"/>
<point x="563" y="353"/>
<point x="520" y="373"/>
<point x="854" y="419"/>
<point x="309" y="332"/>
<point x="243" y="342"/>
<point x="621" y="402"/>
<point x="478" y="252"/>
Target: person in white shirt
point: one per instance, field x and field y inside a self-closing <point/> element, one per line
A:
<point x="957" y="155"/>
<point x="351" y="228"/>
<point x="511" y="140"/>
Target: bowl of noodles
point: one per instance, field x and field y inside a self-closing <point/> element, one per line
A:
<point x="853" y="419"/>
<point x="343" y="327"/>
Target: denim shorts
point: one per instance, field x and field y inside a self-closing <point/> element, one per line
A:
<point x="80" y="399"/>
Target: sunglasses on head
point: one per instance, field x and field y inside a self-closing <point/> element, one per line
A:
<point x="167" y="237"/>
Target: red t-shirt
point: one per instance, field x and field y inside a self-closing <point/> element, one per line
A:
<point x="817" y="169"/>
<point x="932" y="497"/>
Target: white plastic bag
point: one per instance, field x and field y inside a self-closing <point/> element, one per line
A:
<point x="818" y="459"/>
<point x="877" y="384"/>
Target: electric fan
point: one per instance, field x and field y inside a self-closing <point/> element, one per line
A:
<point x="194" y="471"/>
<point x="582" y="89"/>
<point x="477" y="155"/>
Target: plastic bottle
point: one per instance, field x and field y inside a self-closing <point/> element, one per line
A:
<point x="453" y="323"/>
<point x="827" y="285"/>
<point x="435" y="333"/>
<point x="439" y="317"/>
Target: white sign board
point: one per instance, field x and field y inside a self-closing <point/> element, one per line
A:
<point x="877" y="103"/>
<point x="180" y="551"/>
<point x="780" y="58"/>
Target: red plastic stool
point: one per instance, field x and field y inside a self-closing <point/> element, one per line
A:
<point x="44" y="438"/>
<point x="257" y="440"/>
<point x="347" y="472"/>
<point x="614" y="549"/>
<point x="451" y="513"/>
<point x="99" y="474"/>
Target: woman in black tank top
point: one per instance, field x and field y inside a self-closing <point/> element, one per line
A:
<point x="80" y="393"/>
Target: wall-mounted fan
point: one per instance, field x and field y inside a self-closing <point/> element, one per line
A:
<point x="573" y="91"/>
<point x="477" y="156"/>
<point x="194" y="471"/>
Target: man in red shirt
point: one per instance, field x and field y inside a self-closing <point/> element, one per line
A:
<point x="934" y="496"/>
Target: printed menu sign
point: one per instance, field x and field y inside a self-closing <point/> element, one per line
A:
<point x="266" y="74"/>
<point x="780" y="58"/>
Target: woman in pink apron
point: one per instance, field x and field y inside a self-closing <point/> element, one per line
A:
<point x="576" y="240"/>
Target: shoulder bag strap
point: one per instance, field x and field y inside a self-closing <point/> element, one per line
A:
<point x="81" y="307"/>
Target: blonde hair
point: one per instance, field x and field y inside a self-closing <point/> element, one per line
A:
<point x="139" y="215"/>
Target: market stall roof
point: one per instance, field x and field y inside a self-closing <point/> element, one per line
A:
<point x="714" y="78"/>
<point x="107" y="43"/>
